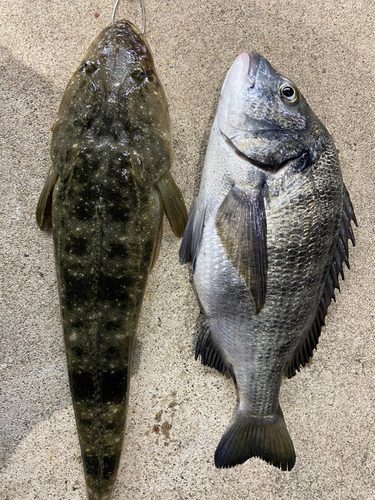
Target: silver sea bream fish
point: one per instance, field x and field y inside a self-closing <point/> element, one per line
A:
<point x="267" y="237"/>
<point x="106" y="193"/>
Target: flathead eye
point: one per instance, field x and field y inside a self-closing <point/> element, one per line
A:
<point x="288" y="93"/>
<point x="89" y="67"/>
<point x="139" y="75"/>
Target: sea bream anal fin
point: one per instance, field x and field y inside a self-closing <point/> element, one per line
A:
<point x="209" y="353"/>
<point x="173" y="202"/>
<point x="193" y="233"/>
<point x="44" y="207"/>
<point x="242" y="226"/>
<point x="305" y="349"/>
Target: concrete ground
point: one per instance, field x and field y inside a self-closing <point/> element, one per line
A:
<point x="178" y="408"/>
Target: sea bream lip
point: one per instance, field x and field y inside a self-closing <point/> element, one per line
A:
<point x="254" y="61"/>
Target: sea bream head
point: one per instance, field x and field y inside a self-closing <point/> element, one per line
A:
<point x="265" y="117"/>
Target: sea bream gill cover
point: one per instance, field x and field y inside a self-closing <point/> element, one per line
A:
<point x="267" y="238"/>
<point x="107" y="190"/>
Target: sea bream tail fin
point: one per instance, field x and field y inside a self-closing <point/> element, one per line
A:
<point x="267" y="438"/>
<point x="242" y="227"/>
<point x="305" y="349"/>
<point x="173" y="202"/>
<point x="44" y="207"/>
<point x="193" y="233"/>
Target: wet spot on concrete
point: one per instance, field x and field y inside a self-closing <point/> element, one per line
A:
<point x="165" y="429"/>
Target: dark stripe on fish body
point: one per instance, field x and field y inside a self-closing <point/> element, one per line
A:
<point x="77" y="324"/>
<point x="78" y="352"/>
<point x="82" y="385"/>
<point x="112" y="325"/>
<point x="76" y="246"/>
<point x="114" y="386"/>
<point x="95" y="468"/>
<point x="117" y="250"/>
<point x="149" y="246"/>
<point x="113" y="288"/>
<point x="79" y="291"/>
<point x="84" y="211"/>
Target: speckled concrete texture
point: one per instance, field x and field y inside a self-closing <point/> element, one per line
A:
<point x="178" y="408"/>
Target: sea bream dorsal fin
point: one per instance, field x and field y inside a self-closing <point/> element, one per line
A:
<point x="340" y="254"/>
<point x="242" y="226"/>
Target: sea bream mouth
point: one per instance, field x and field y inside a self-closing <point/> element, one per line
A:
<point x="257" y="119"/>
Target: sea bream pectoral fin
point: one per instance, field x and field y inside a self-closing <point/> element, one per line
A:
<point x="242" y="226"/>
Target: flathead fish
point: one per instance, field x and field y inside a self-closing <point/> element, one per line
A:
<point x="267" y="237"/>
<point x="106" y="193"/>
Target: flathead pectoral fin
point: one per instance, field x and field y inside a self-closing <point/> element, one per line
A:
<point x="157" y="246"/>
<point x="242" y="227"/>
<point x="174" y="204"/>
<point x="193" y="233"/>
<point x="44" y="207"/>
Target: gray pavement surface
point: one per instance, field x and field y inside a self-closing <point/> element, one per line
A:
<point x="178" y="408"/>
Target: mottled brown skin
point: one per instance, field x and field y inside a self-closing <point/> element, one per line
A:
<point x="109" y="182"/>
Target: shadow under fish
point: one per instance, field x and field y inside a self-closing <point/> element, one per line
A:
<point x="104" y="197"/>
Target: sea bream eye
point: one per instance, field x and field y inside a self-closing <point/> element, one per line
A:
<point x="288" y="93"/>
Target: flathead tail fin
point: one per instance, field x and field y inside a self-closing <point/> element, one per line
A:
<point x="267" y="438"/>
